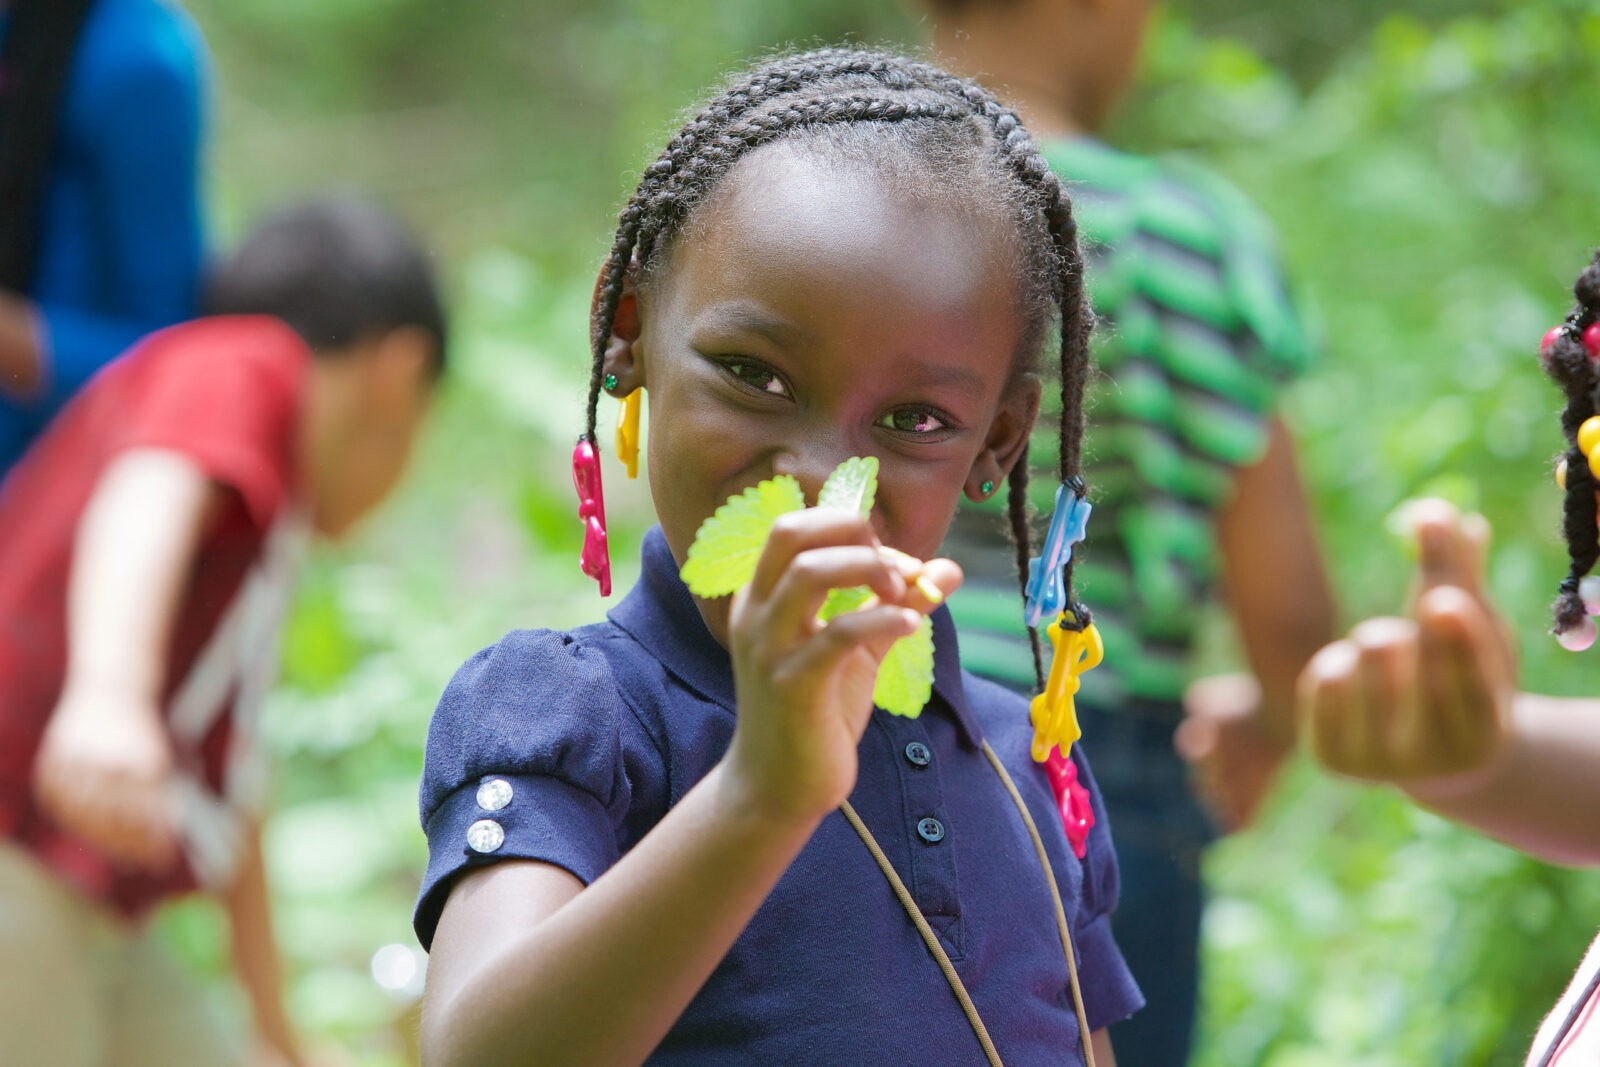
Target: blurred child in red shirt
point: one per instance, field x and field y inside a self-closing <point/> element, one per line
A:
<point x="148" y="540"/>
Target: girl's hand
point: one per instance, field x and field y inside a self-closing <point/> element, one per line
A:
<point x="804" y="688"/>
<point x="1423" y="702"/>
<point x="103" y="773"/>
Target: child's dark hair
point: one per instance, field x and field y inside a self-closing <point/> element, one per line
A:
<point x="1567" y="360"/>
<point x="336" y="269"/>
<point x="895" y="113"/>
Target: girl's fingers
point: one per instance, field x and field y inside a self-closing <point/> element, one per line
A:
<point x="799" y="594"/>
<point x="1452" y="547"/>
<point x="945" y="574"/>
<point x="871" y="630"/>
<point x="929" y="582"/>
<point x="1382" y="731"/>
<point x="1436" y="526"/>
<point x="1466" y="670"/>
<point x="1327" y="699"/>
<point x="849" y="649"/>
<point x="800" y="531"/>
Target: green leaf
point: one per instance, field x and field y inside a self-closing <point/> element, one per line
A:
<point x="905" y="677"/>
<point x="728" y="545"/>
<point x="852" y="486"/>
<point x="844" y="601"/>
<point x="723" y="558"/>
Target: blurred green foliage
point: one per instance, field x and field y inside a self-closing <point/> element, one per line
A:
<point x="1432" y="172"/>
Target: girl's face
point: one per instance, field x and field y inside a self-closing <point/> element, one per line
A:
<point x="810" y="314"/>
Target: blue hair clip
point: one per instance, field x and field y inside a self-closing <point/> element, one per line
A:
<point x="1046" y="592"/>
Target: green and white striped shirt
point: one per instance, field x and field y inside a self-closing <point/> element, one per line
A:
<point x="1196" y="333"/>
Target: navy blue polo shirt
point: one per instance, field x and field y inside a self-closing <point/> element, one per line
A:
<point x="569" y="747"/>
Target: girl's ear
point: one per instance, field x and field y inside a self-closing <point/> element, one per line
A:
<point x="622" y="363"/>
<point x="1008" y="435"/>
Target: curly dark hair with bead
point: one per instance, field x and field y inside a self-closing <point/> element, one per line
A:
<point x="1569" y="353"/>
<point x="918" y="124"/>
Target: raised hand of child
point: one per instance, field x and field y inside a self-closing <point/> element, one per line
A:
<point x="1422" y="701"/>
<point x="103" y="773"/>
<point x="804" y="687"/>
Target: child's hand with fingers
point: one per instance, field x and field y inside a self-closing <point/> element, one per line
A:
<point x="1424" y="702"/>
<point x="1231" y="755"/>
<point x="805" y="687"/>
<point x="104" y="772"/>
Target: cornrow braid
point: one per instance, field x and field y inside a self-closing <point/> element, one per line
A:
<point x="1568" y="362"/>
<point x="1018" y="512"/>
<point x="837" y="88"/>
<point x="783" y="76"/>
<point x="1076" y="324"/>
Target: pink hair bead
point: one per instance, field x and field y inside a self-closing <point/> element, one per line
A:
<point x="1578" y="637"/>
<point x="1551" y="335"/>
<point x="1589" y="592"/>
<point x="1591" y="340"/>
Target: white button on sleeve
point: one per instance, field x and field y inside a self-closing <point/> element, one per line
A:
<point x="485" y="835"/>
<point x="494" y="794"/>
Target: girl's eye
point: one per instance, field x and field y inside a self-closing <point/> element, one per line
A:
<point x="913" y="421"/>
<point x="756" y="377"/>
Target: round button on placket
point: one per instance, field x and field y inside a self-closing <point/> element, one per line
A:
<point x="931" y="830"/>
<point x="917" y="754"/>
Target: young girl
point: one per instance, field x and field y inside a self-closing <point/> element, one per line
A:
<point x="1430" y="703"/>
<point x="684" y="834"/>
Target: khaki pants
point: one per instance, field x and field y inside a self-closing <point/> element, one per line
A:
<point x="78" y="988"/>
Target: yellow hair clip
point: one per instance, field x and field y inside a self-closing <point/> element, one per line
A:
<point x="628" y="432"/>
<point x="1054" y="712"/>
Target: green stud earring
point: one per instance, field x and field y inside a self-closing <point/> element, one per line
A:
<point x="611" y="382"/>
<point x="986" y="488"/>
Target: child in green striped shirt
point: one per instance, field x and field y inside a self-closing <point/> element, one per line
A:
<point x="1193" y="476"/>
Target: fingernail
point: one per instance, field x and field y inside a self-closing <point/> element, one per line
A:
<point x="905" y="565"/>
<point x="932" y="592"/>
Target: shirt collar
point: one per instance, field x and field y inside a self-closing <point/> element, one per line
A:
<point x="660" y="614"/>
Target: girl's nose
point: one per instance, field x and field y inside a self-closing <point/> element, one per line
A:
<point x="810" y="467"/>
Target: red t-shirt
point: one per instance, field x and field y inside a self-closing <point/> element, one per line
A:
<point x="224" y="392"/>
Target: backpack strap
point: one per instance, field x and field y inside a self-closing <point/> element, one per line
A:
<point x="35" y="63"/>
<point x="937" y="951"/>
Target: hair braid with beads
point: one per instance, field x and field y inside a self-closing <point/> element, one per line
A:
<point x="816" y="94"/>
<point x="1568" y="362"/>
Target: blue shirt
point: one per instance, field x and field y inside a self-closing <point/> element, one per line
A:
<point x="574" y="745"/>
<point x="119" y="238"/>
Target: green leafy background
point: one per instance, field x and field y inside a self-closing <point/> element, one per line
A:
<point x="1433" y="170"/>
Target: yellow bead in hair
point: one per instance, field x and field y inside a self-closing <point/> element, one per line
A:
<point x="1594" y="462"/>
<point x="1589" y="435"/>
<point x="1561" y="475"/>
<point x="628" y="432"/>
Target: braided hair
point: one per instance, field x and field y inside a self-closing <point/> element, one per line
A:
<point x="889" y="111"/>
<point x="1567" y="360"/>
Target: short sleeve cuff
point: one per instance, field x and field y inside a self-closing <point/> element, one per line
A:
<point x="1109" y="992"/>
<point x="235" y="465"/>
<point x="505" y="817"/>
